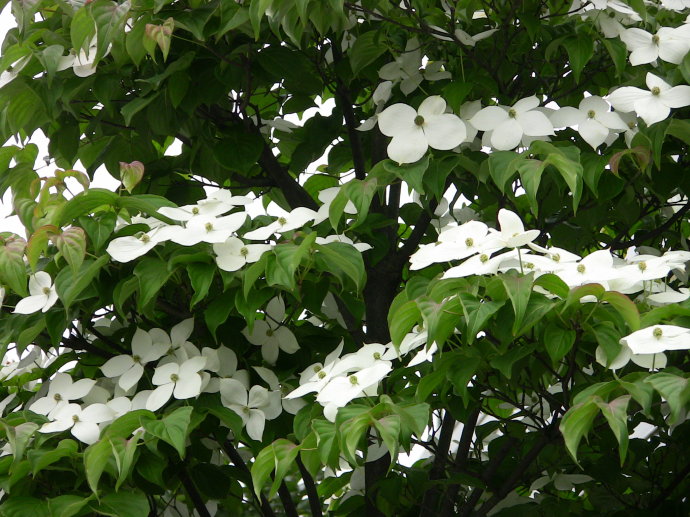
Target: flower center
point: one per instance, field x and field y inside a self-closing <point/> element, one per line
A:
<point x="46" y="290"/>
<point x="145" y="239"/>
<point x="75" y="418"/>
<point x="556" y="257"/>
<point x="483" y="258"/>
<point x="529" y="265"/>
<point x="631" y="125"/>
<point x="377" y="356"/>
<point x="246" y="410"/>
<point x="419" y="120"/>
<point x="244" y="251"/>
<point x="269" y="332"/>
<point x="656" y="90"/>
<point x="591" y="114"/>
<point x="174" y="377"/>
<point x="657" y="333"/>
<point x="469" y="242"/>
<point x="322" y="374"/>
<point x="282" y="221"/>
<point x="642" y="266"/>
<point x="317" y="369"/>
<point x="208" y="227"/>
<point x="581" y="268"/>
<point x="353" y="380"/>
<point x="195" y="211"/>
<point x="512" y="113"/>
<point x="655" y="39"/>
<point x="57" y="397"/>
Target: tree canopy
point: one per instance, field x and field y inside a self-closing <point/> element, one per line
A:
<point x="418" y="257"/>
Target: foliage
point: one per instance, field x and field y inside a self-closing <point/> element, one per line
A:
<point x="459" y="292"/>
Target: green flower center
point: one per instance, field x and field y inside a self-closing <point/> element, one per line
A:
<point x="46" y="290"/>
<point x="655" y="39"/>
<point x="269" y="332"/>
<point x="377" y="356"/>
<point x="656" y="90"/>
<point x="282" y="221"/>
<point x="353" y="380"/>
<point x="174" y="377"/>
<point x="317" y="369"/>
<point x="483" y="258"/>
<point x="75" y="418"/>
<point x="591" y="114"/>
<point x="208" y="227"/>
<point x="657" y="333"/>
<point x="195" y="211"/>
<point x="246" y="410"/>
<point x="244" y="251"/>
<point x="556" y="257"/>
<point x="419" y="120"/>
<point x="642" y="266"/>
<point x="322" y="374"/>
<point x="469" y="242"/>
<point x="145" y="239"/>
<point x="512" y="113"/>
<point x="581" y="268"/>
<point x="57" y="397"/>
<point x="136" y="358"/>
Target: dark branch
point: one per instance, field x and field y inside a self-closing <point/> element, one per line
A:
<point x="310" y="487"/>
<point x="193" y="493"/>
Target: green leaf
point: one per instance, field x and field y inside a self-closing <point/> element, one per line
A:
<point x="69" y="286"/>
<point x="135" y="106"/>
<point x="96" y="457"/>
<point x="152" y="274"/>
<point x="289" y="256"/>
<point x="327" y="443"/>
<point x="343" y="260"/>
<point x="477" y="313"/>
<point x="23" y="506"/>
<point x="67" y="505"/>
<point x="572" y="173"/>
<point x="580" y="49"/>
<point x="201" y="277"/>
<point x="40" y="458"/>
<point x="257" y="10"/>
<point x="576" y="423"/>
<point x="461" y="373"/>
<point x="674" y="389"/>
<point x="98" y="229"/>
<point x="361" y="193"/>
<point x="278" y="457"/>
<point x="388" y="428"/>
<point x="173" y="428"/>
<point x="554" y="284"/>
<point x="366" y="49"/>
<point x="72" y="244"/>
<point x="12" y="268"/>
<point x="625" y="307"/>
<point x="401" y="322"/>
<point x="411" y="173"/>
<point x="558" y="341"/>
<point x="351" y="433"/>
<point x="616" y="414"/>
<point x="502" y="166"/>
<point x="85" y="203"/>
<point x="519" y="289"/>
<point x="218" y="311"/>
<point x="123" y="504"/>
<point x="440" y="318"/>
<point x="530" y="176"/>
<point x="82" y="28"/>
<point x="18" y="438"/>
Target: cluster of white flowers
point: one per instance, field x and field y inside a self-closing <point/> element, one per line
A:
<point x="177" y="369"/>
<point x="482" y="251"/>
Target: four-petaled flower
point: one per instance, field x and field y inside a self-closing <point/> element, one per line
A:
<point x="42" y="295"/>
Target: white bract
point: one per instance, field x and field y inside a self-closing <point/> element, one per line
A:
<point x="233" y="254"/>
<point x="181" y="381"/>
<point x="654" y="105"/>
<point x="414" y="131"/>
<point x="254" y="406"/>
<point x="509" y="124"/>
<point x="668" y="44"/>
<point x="61" y="390"/>
<point x="128" y="368"/>
<point x="130" y="247"/>
<point x="270" y="334"/>
<point x="594" y="120"/>
<point x="42" y="295"/>
<point x="83" y="423"/>
<point x="658" y="338"/>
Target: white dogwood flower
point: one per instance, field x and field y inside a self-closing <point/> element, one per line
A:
<point x="669" y="44"/>
<point x="83" y="423"/>
<point x="594" y="120"/>
<point x="233" y="254"/>
<point x="251" y="406"/>
<point x="179" y="380"/>
<point x="654" y="105"/>
<point x="270" y="334"/>
<point x="509" y="125"/>
<point x="658" y="338"/>
<point x="61" y="390"/>
<point x="42" y="295"/>
<point x="414" y="131"/>
<point x="130" y="368"/>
